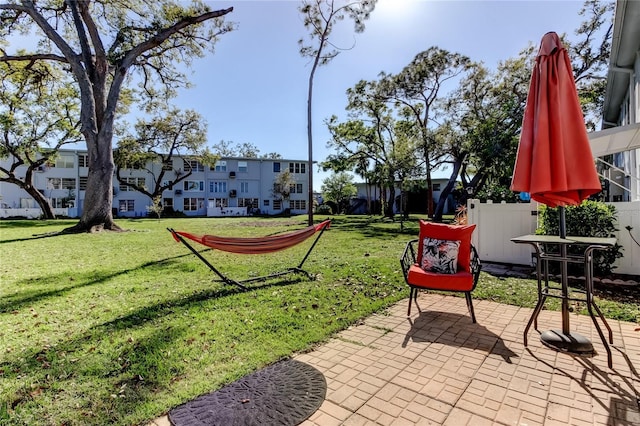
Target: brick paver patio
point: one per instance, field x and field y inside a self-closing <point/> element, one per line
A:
<point x="436" y="367"/>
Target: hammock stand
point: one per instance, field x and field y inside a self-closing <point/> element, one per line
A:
<point x="252" y="245"/>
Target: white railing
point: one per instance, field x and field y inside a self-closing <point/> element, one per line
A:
<point x="33" y="213"/>
<point x="498" y="223"/>
<point x="226" y="211"/>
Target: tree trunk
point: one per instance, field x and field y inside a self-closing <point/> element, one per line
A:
<point x="437" y="216"/>
<point x="27" y="185"/>
<point x="429" y="191"/>
<point x="96" y="209"/>
<point x="45" y="205"/>
<point x="388" y="208"/>
<point x="368" y="187"/>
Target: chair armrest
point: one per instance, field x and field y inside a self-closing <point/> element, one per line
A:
<point x="408" y="257"/>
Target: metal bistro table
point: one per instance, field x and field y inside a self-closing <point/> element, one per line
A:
<point x="565" y="340"/>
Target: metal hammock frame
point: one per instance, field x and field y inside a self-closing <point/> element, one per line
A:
<point x="254" y="245"/>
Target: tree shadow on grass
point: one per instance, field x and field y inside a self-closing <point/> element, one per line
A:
<point x="376" y="227"/>
<point x="35" y="237"/>
<point x="131" y="371"/>
<point x="26" y="297"/>
<point x="458" y="331"/>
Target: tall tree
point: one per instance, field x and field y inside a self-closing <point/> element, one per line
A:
<point x="272" y="155"/>
<point x="320" y="18"/>
<point x="38" y="116"/>
<point x="483" y="124"/>
<point x="373" y="137"/>
<point x="248" y="150"/>
<point x="158" y="142"/>
<point x="231" y="149"/>
<point x="416" y="89"/>
<point x="590" y="57"/>
<point x="102" y="43"/>
<point x="485" y="113"/>
<point x="339" y="188"/>
<point x="225" y="149"/>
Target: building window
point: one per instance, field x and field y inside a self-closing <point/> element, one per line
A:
<point x="221" y="166"/>
<point x="27" y="203"/>
<point x="277" y="204"/>
<point x="299" y="204"/>
<point x="83" y="183"/>
<point x="436" y="187"/>
<point x="297" y="167"/>
<point x="64" y="162"/>
<point x="61" y="183"/>
<point x="295" y="188"/>
<point x="265" y="203"/>
<point x="83" y="160"/>
<point x="193" y="165"/>
<point x="217" y="186"/>
<point x="193" y="204"/>
<point x="167" y="165"/>
<point x="61" y="203"/>
<point x="218" y="202"/>
<point x="242" y="166"/>
<point x="244" y="187"/>
<point x="139" y="181"/>
<point x="126" y="206"/>
<point x="276" y="167"/>
<point x="193" y="185"/>
<point x="248" y="202"/>
<point x="167" y="203"/>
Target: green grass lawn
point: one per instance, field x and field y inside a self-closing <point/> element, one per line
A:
<point x="118" y="328"/>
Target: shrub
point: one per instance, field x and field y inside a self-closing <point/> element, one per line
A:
<point x="169" y="212"/>
<point x="324" y="209"/>
<point x="589" y="219"/>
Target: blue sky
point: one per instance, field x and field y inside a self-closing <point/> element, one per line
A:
<point x="254" y="88"/>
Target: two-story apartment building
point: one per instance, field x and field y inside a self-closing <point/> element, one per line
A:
<point x="234" y="186"/>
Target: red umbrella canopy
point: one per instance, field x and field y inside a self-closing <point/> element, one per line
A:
<point x="554" y="162"/>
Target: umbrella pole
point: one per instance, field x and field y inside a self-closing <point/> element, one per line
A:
<point x="564" y="271"/>
<point x="563" y="339"/>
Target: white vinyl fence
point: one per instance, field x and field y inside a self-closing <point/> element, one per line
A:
<point x="498" y="223"/>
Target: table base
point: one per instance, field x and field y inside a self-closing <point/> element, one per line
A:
<point x="569" y="342"/>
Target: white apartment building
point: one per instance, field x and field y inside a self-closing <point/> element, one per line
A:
<point x="234" y="187"/>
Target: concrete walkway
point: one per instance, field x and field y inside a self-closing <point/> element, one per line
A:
<point x="436" y="367"/>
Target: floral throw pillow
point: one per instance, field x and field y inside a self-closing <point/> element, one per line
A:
<point x="440" y="256"/>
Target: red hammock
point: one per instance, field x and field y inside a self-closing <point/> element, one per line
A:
<point x="253" y="245"/>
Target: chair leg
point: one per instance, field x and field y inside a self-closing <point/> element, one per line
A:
<point x="467" y="294"/>
<point x="410" y="297"/>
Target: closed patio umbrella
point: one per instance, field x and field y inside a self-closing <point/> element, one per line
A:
<point x="554" y="161"/>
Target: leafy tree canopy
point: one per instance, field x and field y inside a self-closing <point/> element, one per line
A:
<point x="155" y="146"/>
<point x="101" y="46"/>
<point x="339" y="188"/>
<point x="38" y="116"/>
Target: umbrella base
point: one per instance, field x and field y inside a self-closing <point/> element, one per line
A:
<point x="570" y="342"/>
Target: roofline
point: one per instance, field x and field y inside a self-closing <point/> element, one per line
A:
<point x="84" y="151"/>
<point x="622" y="46"/>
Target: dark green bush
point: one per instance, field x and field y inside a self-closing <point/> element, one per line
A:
<point x="589" y="219"/>
<point x="169" y="212"/>
<point x="324" y="209"/>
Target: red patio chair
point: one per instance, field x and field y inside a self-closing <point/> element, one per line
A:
<point x="444" y="260"/>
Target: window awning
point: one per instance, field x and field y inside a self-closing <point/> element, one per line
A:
<point x="616" y="139"/>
